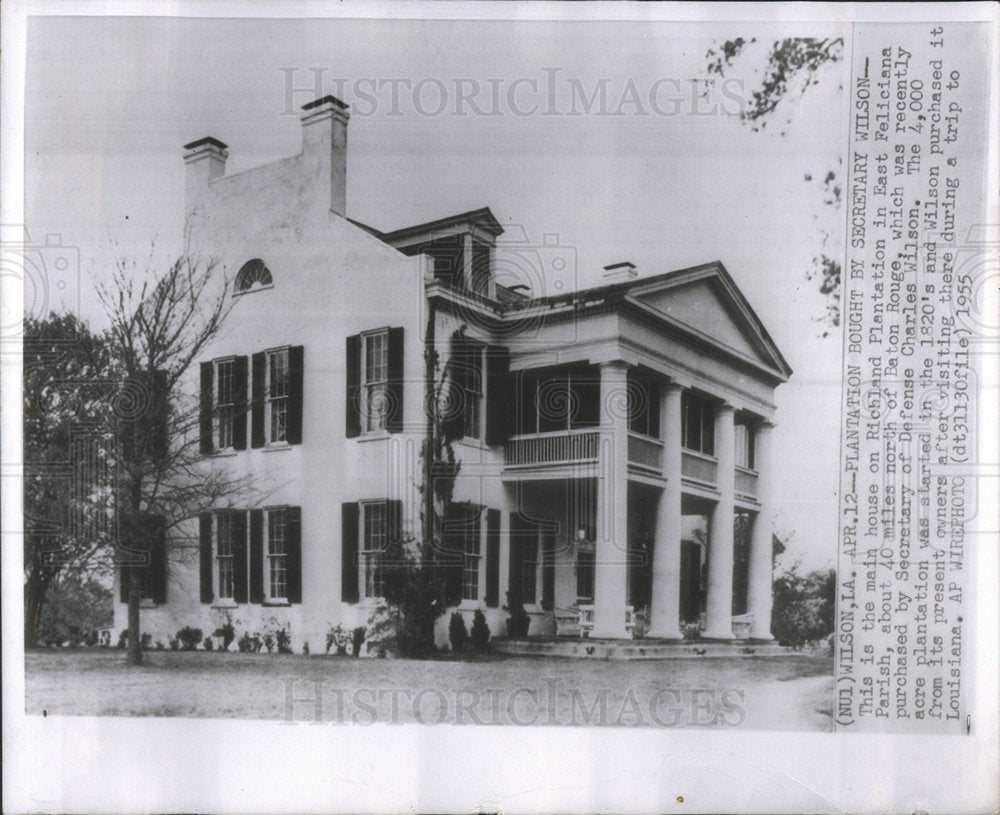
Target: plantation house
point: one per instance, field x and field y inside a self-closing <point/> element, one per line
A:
<point x="614" y="441"/>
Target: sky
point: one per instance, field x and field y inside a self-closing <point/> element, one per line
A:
<point x="501" y="114"/>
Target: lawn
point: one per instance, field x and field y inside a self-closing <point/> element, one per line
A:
<point x="774" y="693"/>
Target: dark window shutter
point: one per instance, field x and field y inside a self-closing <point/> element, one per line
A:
<point x="548" y="570"/>
<point x="239" y="417"/>
<point x="239" y="521"/>
<point x="349" y="553"/>
<point x="353" y="405"/>
<point x="453" y="557"/>
<point x="205" y="555"/>
<point x="499" y="397"/>
<point x="257" y="397"/>
<point x="156" y="535"/>
<point x="293" y="549"/>
<point x="519" y="529"/>
<point x="394" y="421"/>
<point x="295" y="382"/>
<point x="492" y="558"/>
<point x="205" y="411"/>
<point x="256" y="556"/>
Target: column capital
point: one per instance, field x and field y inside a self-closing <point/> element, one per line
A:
<point x="673" y="387"/>
<point x="613" y="364"/>
<point x="766" y="425"/>
<point x="724" y="408"/>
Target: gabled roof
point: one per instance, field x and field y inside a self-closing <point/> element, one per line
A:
<point x="701" y="302"/>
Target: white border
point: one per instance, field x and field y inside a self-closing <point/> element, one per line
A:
<point x="129" y="765"/>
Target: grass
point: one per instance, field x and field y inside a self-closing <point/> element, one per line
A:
<point x="787" y="693"/>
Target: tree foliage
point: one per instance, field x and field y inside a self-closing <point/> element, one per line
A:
<point x="69" y="385"/>
<point x="804" y="606"/>
<point x="792" y="66"/>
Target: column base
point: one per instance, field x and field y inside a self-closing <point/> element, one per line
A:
<point x="761" y="640"/>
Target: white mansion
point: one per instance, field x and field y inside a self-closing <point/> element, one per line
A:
<point x="614" y="441"/>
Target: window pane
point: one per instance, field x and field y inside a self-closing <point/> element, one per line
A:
<point x="225" y="397"/>
<point x="375" y="538"/>
<point x="277" y="395"/>
<point x="277" y="566"/>
<point x="470" y="559"/>
<point x="224" y="554"/>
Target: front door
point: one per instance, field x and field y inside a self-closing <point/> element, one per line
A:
<point x="690" y="581"/>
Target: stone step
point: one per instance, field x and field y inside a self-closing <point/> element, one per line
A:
<point x="635" y="649"/>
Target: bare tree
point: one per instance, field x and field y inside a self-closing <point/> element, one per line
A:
<point x="160" y="327"/>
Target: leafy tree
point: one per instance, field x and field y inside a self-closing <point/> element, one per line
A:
<point x="75" y="609"/>
<point x="68" y="424"/>
<point x="804" y="606"/>
<point x="792" y="66"/>
<point x="160" y="326"/>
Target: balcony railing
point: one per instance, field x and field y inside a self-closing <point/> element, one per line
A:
<point x="699" y="467"/>
<point x="563" y="447"/>
<point x="645" y="452"/>
<point x="746" y="482"/>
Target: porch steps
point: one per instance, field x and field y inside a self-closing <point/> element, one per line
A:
<point x="605" y="649"/>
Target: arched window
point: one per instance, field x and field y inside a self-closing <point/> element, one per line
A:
<point x="253" y="275"/>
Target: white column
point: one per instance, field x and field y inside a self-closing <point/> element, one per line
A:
<point x="759" y="581"/>
<point x="719" y="605"/>
<point x="666" y="598"/>
<point x="612" y="505"/>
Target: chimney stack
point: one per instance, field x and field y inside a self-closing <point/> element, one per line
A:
<point x="205" y="160"/>
<point x="618" y="272"/>
<point x="324" y="134"/>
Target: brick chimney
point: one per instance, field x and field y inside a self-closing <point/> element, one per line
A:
<point x="618" y="272"/>
<point x="205" y="160"/>
<point x="324" y="134"/>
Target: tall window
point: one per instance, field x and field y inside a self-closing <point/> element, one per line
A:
<point x="698" y="430"/>
<point x="277" y="396"/>
<point x="374" y="539"/>
<point x="277" y="555"/>
<point x="472" y="387"/>
<point x="224" y="554"/>
<point x="376" y="380"/>
<point x="643" y="406"/>
<point x="225" y="401"/>
<point x="744" y="445"/>
<point x="559" y="399"/>
<point x="470" y="557"/>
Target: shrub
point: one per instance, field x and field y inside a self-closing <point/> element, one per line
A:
<point x="457" y="632"/>
<point x="283" y="639"/>
<point x="305" y="648"/>
<point x="804" y="606"/>
<point x="414" y="586"/>
<point x="480" y="634"/>
<point x="146" y="641"/>
<point x="209" y="644"/>
<point x="248" y="644"/>
<point x="189" y="638"/>
<point x="226" y="632"/>
<point x="382" y="631"/>
<point x="337" y="639"/>
<point x="267" y="640"/>
<point x="159" y="645"/>
<point x="174" y="644"/>
<point x="91" y="639"/>
<point x="691" y="631"/>
<point x="123" y="639"/>
<point x="640" y="622"/>
<point x="518" y="621"/>
<point x="357" y="638"/>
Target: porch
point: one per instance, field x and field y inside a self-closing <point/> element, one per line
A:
<point x="629" y="650"/>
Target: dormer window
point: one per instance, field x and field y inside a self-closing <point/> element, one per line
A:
<point x="252" y="276"/>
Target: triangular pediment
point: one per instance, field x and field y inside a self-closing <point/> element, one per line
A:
<point x="706" y="302"/>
